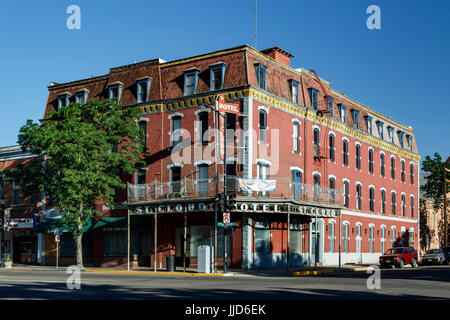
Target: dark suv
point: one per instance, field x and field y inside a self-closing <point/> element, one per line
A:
<point x="398" y="257"/>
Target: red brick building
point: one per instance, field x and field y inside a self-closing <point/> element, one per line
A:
<point x="353" y="169"/>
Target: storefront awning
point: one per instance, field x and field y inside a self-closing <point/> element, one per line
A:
<point x="136" y="223"/>
<point x="50" y="225"/>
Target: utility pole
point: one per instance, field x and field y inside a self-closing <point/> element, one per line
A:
<point x="445" y="205"/>
<point x="2" y="208"/>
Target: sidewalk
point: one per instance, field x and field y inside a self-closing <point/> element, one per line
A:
<point x="279" y="272"/>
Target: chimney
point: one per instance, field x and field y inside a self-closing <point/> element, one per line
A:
<point x="279" y="54"/>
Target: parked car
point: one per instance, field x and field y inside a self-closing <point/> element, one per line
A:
<point x="435" y="256"/>
<point x="399" y="257"/>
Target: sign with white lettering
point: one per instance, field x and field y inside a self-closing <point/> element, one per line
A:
<point x="227" y="107"/>
<point x="226" y="217"/>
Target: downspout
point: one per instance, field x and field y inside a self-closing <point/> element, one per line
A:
<point x="304" y="133"/>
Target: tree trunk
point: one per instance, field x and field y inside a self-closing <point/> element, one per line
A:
<point x="79" y="250"/>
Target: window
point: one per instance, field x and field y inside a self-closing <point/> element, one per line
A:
<point x="382" y="164"/>
<point x="230" y="125"/>
<point x="411" y="173"/>
<point x="358" y="156"/>
<point x="142" y="125"/>
<point x="368" y="124"/>
<point x="393" y="239"/>
<point x="314" y="98"/>
<point x="383" y="201"/>
<point x="175" y="179"/>
<point x="345" y="237"/>
<point x="412" y="206"/>
<point x="202" y="180"/>
<point x="176" y="130"/>
<point x="297" y="184"/>
<point x="16" y="194"/>
<point x="358" y="196"/>
<point x="141" y="176"/>
<point x="143" y="89"/>
<point x="190" y="82"/>
<point x="331" y="147"/>
<point x="115" y="243"/>
<point x="263" y="126"/>
<point x="383" y="238"/>
<point x="403" y="171"/>
<point x="262" y="237"/>
<point x="345" y="152"/>
<point x="393" y="203"/>
<point x="81" y="97"/>
<point x="355" y="118"/>
<point x="391" y="133"/>
<point x="216" y="76"/>
<point x="346" y="194"/>
<point x="409" y="138"/>
<point x="371" y="199"/>
<point x="261" y="75"/>
<point x="115" y="91"/>
<point x="380" y="129"/>
<point x="294" y="91"/>
<point x="316" y="143"/>
<point x="331" y="237"/>
<point x="63" y="100"/>
<point x="330" y="106"/>
<point x="392" y="168"/>
<point x="332" y="187"/>
<point x="370" y="161"/>
<point x="342" y="112"/>
<point x="400" y="135"/>
<point x="316" y="187"/>
<point x="403" y="204"/>
<point x="411" y="241"/>
<point x="371" y="239"/>
<point x="203" y="127"/>
<point x="296" y="137"/>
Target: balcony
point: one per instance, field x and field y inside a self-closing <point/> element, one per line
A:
<point x="186" y="188"/>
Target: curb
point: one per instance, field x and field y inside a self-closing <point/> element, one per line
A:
<point x="192" y="274"/>
<point x="311" y="272"/>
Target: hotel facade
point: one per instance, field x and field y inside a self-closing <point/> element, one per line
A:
<point x="308" y="179"/>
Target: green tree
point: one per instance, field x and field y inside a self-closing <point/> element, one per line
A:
<point x="78" y="162"/>
<point x="434" y="186"/>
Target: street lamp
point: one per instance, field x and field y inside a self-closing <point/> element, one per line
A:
<point x="2" y="210"/>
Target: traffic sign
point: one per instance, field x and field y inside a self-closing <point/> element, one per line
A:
<point x="231" y="224"/>
<point x="56" y="237"/>
<point x="226" y="217"/>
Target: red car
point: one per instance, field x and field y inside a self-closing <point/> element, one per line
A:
<point x="398" y="257"/>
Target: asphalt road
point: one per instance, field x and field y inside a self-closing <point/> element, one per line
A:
<point x="431" y="282"/>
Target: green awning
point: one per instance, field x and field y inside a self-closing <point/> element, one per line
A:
<point x="50" y="225"/>
<point x="111" y="222"/>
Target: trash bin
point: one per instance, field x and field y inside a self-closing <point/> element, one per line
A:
<point x="170" y="262"/>
<point x="204" y="259"/>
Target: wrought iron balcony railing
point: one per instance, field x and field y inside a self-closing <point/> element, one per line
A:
<point x="284" y="188"/>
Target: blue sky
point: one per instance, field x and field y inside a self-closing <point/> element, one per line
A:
<point x="401" y="70"/>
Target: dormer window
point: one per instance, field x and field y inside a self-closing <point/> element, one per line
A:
<point x="355" y="118"/>
<point x="261" y="75"/>
<point x="216" y="76"/>
<point x="314" y="97"/>
<point x="294" y="90"/>
<point x="400" y="135"/>
<point x="115" y="91"/>
<point x="391" y="133"/>
<point x="81" y="96"/>
<point x="330" y="106"/>
<point x="368" y="124"/>
<point x="380" y="126"/>
<point x="409" y="138"/>
<point x="143" y="89"/>
<point x="190" y="82"/>
<point x="342" y="112"/>
<point x="63" y="100"/>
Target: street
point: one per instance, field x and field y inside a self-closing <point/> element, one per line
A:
<point x="431" y="282"/>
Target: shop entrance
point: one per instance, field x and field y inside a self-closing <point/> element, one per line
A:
<point x="24" y="248"/>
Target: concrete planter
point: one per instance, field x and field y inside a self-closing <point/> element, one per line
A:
<point x="8" y="264"/>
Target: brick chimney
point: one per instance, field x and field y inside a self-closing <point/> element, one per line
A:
<point x="279" y="54"/>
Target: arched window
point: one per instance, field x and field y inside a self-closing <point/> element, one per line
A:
<point x="316" y="142"/>
<point x="358" y="196"/>
<point x="331" y="147"/>
<point x="411" y="173"/>
<point x="371" y="199"/>
<point x="383" y="239"/>
<point x="358" y="156"/>
<point x="345" y="152"/>
<point x="331" y="237"/>
<point x="345" y="237"/>
<point x="412" y="206"/>
<point x="263" y="126"/>
<point x="403" y="204"/>
<point x="297" y="184"/>
<point x="393" y="202"/>
<point x="370" y="160"/>
<point x="403" y="171"/>
<point x="383" y="201"/>
<point x="382" y="164"/>
<point x="393" y="168"/>
<point x="371" y="238"/>
<point x="346" y="193"/>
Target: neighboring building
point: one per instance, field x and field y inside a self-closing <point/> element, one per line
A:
<point x="22" y="244"/>
<point x="432" y="226"/>
<point x="353" y="167"/>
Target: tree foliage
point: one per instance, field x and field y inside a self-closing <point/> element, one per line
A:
<point x="434" y="186"/>
<point x="78" y="163"/>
